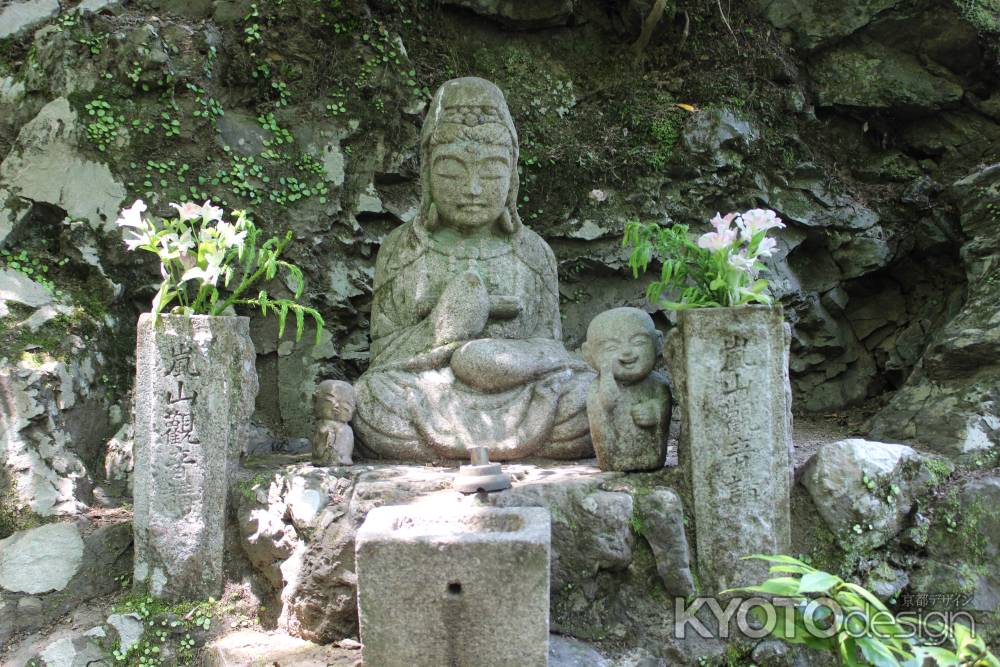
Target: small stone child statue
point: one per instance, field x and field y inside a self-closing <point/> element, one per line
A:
<point x="333" y="440"/>
<point x="629" y="404"/>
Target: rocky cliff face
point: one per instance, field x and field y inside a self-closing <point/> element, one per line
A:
<point x="867" y="125"/>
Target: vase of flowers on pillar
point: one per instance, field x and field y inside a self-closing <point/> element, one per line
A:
<point x="728" y="357"/>
<point x="196" y="383"/>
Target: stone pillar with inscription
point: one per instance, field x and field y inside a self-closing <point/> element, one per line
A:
<point x="730" y="374"/>
<point x="194" y="395"/>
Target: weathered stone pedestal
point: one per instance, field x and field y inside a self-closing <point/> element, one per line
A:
<point x="194" y="394"/>
<point x="462" y="586"/>
<point x="730" y="371"/>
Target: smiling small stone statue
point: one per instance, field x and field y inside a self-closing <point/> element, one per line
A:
<point x="629" y="405"/>
<point x="333" y="439"/>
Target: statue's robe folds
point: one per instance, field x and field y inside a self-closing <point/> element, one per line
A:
<point x="411" y="406"/>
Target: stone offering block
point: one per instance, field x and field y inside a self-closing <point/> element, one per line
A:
<point x="730" y="369"/>
<point x="463" y="587"/>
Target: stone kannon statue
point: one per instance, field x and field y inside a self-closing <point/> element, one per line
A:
<point x="629" y="405"/>
<point x="466" y="339"/>
<point x="333" y="439"/>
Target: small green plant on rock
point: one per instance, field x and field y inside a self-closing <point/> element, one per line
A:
<point x="827" y="613"/>
<point x="105" y="127"/>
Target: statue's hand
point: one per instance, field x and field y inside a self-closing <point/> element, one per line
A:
<point x="462" y="310"/>
<point x="645" y="414"/>
<point x="503" y="307"/>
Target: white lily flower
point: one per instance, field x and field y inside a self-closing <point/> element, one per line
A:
<point x="137" y="239"/>
<point x="132" y="216"/>
<point x="229" y="236"/>
<point x="209" y="212"/>
<point x="722" y="223"/>
<point x="717" y="240"/>
<point x="188" y="210"/>
<point x="767" y="247"/>
<point x="758" y="219"/>
<point x="741" y="262"/>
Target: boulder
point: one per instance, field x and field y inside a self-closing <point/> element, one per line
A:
<point x="56" y="425"/>
<point x="872" y="75"/>
<point x="816" y="23"/>
<point x="46" y="165"/>
<point x="47" y="571"/>
<point x="40" y="560"/>
<point x="864" y="490"/>
<point x="521" y="14"/>
<point x="963" y="545"/>
<point x="22" y="15"/>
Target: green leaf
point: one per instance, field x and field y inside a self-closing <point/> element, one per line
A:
<point x="939" y="656"/>
<point x="874" y="601"/>
<point x="778" y="558"/>
<point x="818" y="582"/>
<point x="876" y="653"/>
<point x="783" y="586"/>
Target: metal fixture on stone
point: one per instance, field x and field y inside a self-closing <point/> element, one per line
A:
<point x="481" y="475"/>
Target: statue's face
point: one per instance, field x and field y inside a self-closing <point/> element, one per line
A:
<point x="629" y="349"/>
<point x="336" y="406"/>
<point x="469" y="184"/>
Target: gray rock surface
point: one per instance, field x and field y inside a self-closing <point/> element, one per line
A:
<point x="244" y="647"/>
<point x="570" y="652"/>
<point x="21" y="15"/>
<point x="40" y="560"/>
<point x="57" y="420"/>
<point x="950" y="402"/>
<point x="816" y="23"/>
<point x="606" y="529"/>
<point x="864" y="490"/>
<point x="662" y="520"/>
<point x="439" y="584"/>
<point x="730" y="371"/>
<point x="73" y="563"/>
<point x="195" y="387"/>
<point x="517" y="13"/>
<point x="880" y="77"/>
<point x="47" y="165"/>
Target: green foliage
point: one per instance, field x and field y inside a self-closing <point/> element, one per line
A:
<point x="248" y="487"/>
<point x="279" y="134"/>
<point x="198" y="249"/>
<point x="984" y="15"/>
<point x="703" y="278"/>
<point x="34" y="267"/>
<point x="854" y="624"/>
<point x="174" y="630"/>
<point x="105" y="127"/>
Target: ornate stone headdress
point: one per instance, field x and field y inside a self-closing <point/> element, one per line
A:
<point x="468" y="109"/>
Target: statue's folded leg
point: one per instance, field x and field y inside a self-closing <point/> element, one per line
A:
<point x="382" y="420"/>
<point x="570" y="437"/>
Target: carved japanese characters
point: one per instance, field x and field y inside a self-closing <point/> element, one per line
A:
<point x="333" y="439"/>
<point x="629" y="405"/>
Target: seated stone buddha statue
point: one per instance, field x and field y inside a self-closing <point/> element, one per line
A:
<point x="466" y="339"/>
